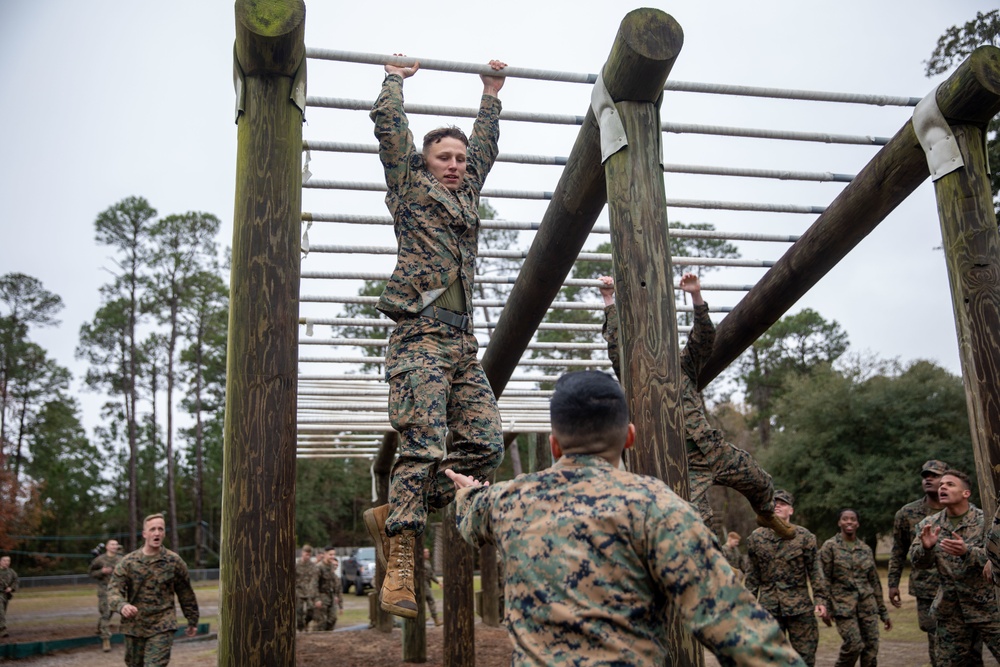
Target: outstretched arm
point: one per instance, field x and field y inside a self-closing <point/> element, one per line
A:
<point x="392" y="129"/>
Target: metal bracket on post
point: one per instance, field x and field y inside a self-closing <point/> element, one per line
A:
<point x="936" y="138"/>
<point x="612" y="130"/>
<point x="239" y="84"/>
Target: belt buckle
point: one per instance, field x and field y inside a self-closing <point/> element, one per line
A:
<point x="465" y="323"/>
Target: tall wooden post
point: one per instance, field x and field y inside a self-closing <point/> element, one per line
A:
<point x="382" y="468"/>
<point x="972" y="251"/>
<point x="257" y="605"/>
<point x="651" y="370"/>
<point x="415" y="629"/>
<point x="459" y="602"/>
<point x="488" y="586"/>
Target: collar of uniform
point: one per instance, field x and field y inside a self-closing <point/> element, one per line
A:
<point x="582" y="461"/>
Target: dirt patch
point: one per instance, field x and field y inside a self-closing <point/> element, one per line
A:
<point x="368" y="648"/>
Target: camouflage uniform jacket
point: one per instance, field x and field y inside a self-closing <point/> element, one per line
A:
<point x="329" y="583"/>
<point x="101" y="562"/>
<point x="594" y="555"/>
<point x="695" y="354"/>
<point x="963" y="593"/>
<point x="851" y="578"/>
<point x="734" y="557"/>
<point x="437" y="230"/>
<point x="993" y="546"/>
<point x="8" y="579"/>
<point x="778" y="572"/>
<point x="150" y="583"/>
<point x="923" y="583"/>
<point x="306" y="580"/>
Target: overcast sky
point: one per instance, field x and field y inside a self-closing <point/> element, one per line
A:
<point x="109" y="99"/>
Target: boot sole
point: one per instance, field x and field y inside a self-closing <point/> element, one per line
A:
<point x="405" y="612"/>
<point x="372" y="525"/>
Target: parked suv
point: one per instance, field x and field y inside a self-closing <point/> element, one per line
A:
<point x="358" y="570"/>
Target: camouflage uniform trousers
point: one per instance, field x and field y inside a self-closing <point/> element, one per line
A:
<point x="3" y="612"/>
<point x="153" y="651"/>
<point x="959" y="643"/>
<point x="305" y="611"/>
<point x="803" y="634"/>
<point x="325" y="617"/>
<point x="429" y="599"/>
<point x="712" y="460"/>
<point x="860" y="635"/>
<point x="925" y="618"/>
<point x="436" y="387"/>
<point x="106" y="612"/>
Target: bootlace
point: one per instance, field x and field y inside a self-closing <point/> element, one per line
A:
<point x="404" y="563"/>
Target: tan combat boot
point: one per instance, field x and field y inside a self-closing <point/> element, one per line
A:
<point x="397" y="595"/>
<point x="106" y="645"/>
<point x="781" y="528"/>
<point x="437" y="621"/>
<point x="375" y="519"/>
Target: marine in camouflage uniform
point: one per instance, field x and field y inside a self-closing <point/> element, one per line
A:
<point x="142" y="590"/>
<point x="8" y="586"/>
<point x="855" y="591"/>
<point x="101" y="569"/>
<point x="779" y="573"/>
<point x="330" y="593"/>
<point x="953" y="541"/>
<point x="731" y="550"/>
<point x="595" y="555"/>
<point x="711" y="460"/>
<point x="923" y="583"/>
<point x="437" y="386"/>
<point x="306" y="589"/>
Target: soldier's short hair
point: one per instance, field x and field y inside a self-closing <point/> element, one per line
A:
<point x="440" y="133"/>
<point x="151" y="517"/>
<point x="960" y="475"/>
<point x="307" y="548"/>
<point x="587" y="409"/>
<point x="840" y="515"/>
<point x="733" y="535"/>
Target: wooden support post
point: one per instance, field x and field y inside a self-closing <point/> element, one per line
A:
<point x="543" y="453"/>
<point x="972" y="251"/>
<point x="640" y="243"/>
<point x="415" y="630"/>
<point x="459" y="602"/>
<point x="644" y="50"/>
<point x="382" y="468"/>
<point x="970" y="95"/>
<point x="488" y="585"/>
<point x="257" y="605"/>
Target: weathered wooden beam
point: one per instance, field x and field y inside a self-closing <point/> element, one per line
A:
<point x="971" y="95"/>
<point x="972" y="252"/>
<point x="643" y="53"/>
<point x="257" y="605"/>
<point x="488" y="585"/>
<point x="459" y="601"/>
<point x="382" y="468"/>
<point x="415" y="629"/>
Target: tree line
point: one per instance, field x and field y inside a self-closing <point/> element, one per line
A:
<point x="156" y="343"/>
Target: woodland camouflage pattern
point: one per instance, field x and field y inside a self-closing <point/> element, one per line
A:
<point x="779" y="573"/>
<point x="8" y="579"/>
<point x="966" y="604"/>
<point x="306" y="592"/>
<point x="923" y="583"/>
<point x="105" y="610"/>
<point x="594" y="554"/>
<point x="856" y="601"/>
<point x="330" y="593"/>
<point x="436" y="383"/>
<point x="150" y="583"/>
<point x="711" y="460"/>
<point x="437" y="230"/>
